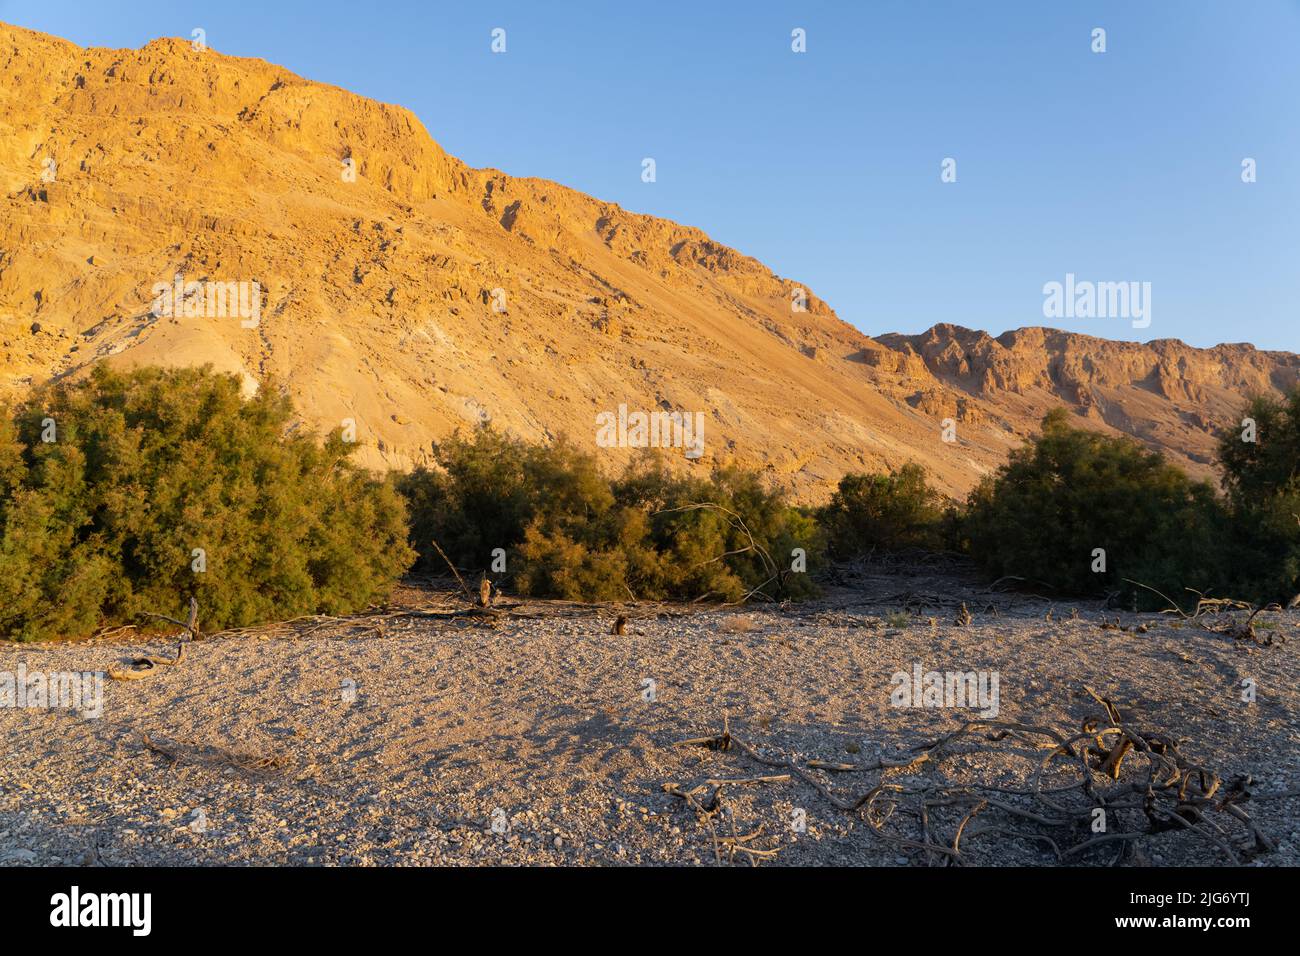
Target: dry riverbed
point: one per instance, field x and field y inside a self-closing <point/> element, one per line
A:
<point x="423" y="739"/>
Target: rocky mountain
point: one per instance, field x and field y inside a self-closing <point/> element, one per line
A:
<point x="175" y="205"/>
<point x="1170" y="395"/>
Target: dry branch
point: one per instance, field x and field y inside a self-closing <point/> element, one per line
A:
<point x="138" y="668"/>
<point x="191" y="626"/>
<point x="217" y="758"/>
<point x="463" y="586"/>
<point x="737" y="524"/>
<point x="1139" y="780"/>
<point x="1214" y="607"/>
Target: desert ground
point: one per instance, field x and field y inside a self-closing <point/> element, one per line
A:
<point x="423" y="734"/>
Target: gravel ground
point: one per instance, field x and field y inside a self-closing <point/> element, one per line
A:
<point x="543" y="728"/>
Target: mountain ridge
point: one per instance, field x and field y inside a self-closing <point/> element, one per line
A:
<point x="422" y="295"/>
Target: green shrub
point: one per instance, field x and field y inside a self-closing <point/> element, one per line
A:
<point x="570" y="532"/>
<point x="101" y="524"/>
<point x="1071" y="491"/>
<point x="491" y="488"/>
<point x="1262" y="481"/>
<point x="883" y="512"/>
<point x="701" y="528"/>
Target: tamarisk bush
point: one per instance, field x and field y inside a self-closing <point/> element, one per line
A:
<point x="1261" y="467"/>
<point x="1086" y="513"/>
<point x="894" y="511"/>
<point x="572" y="533"/>
<point x="130" y="492"/>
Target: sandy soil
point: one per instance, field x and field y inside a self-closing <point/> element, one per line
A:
<point x="542" y="727"/>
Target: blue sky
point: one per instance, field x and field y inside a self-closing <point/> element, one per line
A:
<point x="1115" y="166"/>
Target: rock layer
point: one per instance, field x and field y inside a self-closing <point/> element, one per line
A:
<point x="404" y="292"/>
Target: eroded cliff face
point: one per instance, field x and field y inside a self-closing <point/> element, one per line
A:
<point x="1167" y="393"/>
<point x="401" y="290"/>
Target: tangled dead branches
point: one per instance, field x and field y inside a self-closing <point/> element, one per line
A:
<point x="138" y="668"/>
<point x="1106" y="786"/>
<point x="707" y="801"/>
<point x="219" y="758"/>
<point x="1209" y="611"/>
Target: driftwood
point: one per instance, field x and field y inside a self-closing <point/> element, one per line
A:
<point x="139" y="668"/>
<point x="1245" y="631"/>
<point x="706" y="799"/>
<point x="1208" y="609"/>
<point x="1115" y="625"/>
<point x="216" y="758"/>
<point x="1136" y="782"/>
<point x="452" y="610"/>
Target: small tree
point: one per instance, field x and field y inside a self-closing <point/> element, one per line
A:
<point x="1262" y="481"/>
<point x="883" y="512"/>
<point x="1086" y="513"/>
<point x="133" y="491"/>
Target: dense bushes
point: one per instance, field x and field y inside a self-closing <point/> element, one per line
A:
<point x="132" y="491"/>
<point x="567" y="531"/>
<point x="883" y="512"/>
<point x="706" y="552"/>
<point x="1090" y="514"/>
<point x="1261" y="464"/>
<point x="490" y="488"/>
<point x="1069" y="495"/>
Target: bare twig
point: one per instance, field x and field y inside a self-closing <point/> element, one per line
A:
<point x="463" y="586"/>
<point x="1137" y="781"/>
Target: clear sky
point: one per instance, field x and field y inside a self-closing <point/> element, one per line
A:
<point x="1117" y="166"/>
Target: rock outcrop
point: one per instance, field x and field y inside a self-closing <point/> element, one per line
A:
<point x="402" y="291"/>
